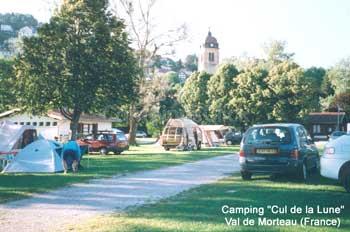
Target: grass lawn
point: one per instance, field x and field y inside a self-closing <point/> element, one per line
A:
<point x="145" y="157"/>
<point x="199" y="209"/>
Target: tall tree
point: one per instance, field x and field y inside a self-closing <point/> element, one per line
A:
<point x="7" y="78"/>
<point x="219" y="87"/>
<point x="194" y="97"/>
<point x="341" y="101"/>
<point x="80" y="62"/>
<point x="191" y="63"/>
<point x="339" y="75"/>
<point x="169" y="106"/>
<point x="250" y="99"/>
<point x="275" y="51"/>
<point x="289" y="92"/>
<point x="148" y="43"/>
<point x="315" y="78"/>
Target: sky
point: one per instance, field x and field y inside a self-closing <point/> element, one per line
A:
<point x="317" y="31"/>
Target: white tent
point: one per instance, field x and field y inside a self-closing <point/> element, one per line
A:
<point x="10" y="134"/>
<point x="39" y="156"/>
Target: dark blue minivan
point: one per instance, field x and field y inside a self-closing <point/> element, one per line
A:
<point x="277" y="149"/>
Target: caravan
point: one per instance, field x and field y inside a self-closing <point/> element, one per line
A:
<point x="182" y="134"/>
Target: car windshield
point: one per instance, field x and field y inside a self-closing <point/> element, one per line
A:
<point x="121" y="137"/>
<point x="268" y="134"/>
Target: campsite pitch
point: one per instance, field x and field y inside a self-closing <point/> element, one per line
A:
<point x="146" y="157"/>
<point x="55" y="210"/>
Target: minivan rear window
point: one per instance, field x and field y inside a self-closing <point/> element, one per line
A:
<point x="268" y="134"/>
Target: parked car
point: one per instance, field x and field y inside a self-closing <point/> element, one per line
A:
<point x="141" y="134"/>
<point x="105" y="142"/>
<point x="336" y="134"/>
<point x="278" y="149"/>
<point x="335" y="162"/>
<point x="233" y="137"/>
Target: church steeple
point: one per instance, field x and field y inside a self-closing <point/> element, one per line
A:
<point x="209" y="57"/>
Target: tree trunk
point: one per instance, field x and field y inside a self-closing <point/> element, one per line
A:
<point x="132" y="126"/>
<point x="74" y="124"/>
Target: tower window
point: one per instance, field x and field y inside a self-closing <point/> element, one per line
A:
<point x="211" y="57"/>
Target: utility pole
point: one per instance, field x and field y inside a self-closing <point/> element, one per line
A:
<point x="338" y="119"/>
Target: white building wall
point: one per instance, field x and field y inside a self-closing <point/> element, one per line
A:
<point x="49" y="127"/>
<point x="46" y="126"/>
<point x="105" y="126"/>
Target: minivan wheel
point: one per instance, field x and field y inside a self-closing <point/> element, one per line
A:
<point x="229" y="142"/>
<point x="316" y="169"/>
<point x="246" y="175"/>
<point x="103" y="151"/>
<point x="166" y="148"/>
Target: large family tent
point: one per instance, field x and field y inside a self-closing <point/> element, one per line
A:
<point x="40" y="156"/>
<point x="213" y="135"/>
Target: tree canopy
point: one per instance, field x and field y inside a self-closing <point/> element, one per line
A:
<point x="7" y="78"/>
<point x="194" y="97"/>
<point x="79" y="62"/>
<point x="219" y="87"/>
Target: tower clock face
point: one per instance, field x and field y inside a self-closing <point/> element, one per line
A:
<point x="211" y="45"/>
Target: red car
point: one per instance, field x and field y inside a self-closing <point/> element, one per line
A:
<point x="106" y="142"/>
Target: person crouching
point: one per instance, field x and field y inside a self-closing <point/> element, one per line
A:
<point x="71" y="156"/>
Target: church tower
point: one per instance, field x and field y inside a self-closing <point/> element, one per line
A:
<point x="209" y="56"/>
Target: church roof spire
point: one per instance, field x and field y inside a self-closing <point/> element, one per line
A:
<point x="211" y="41"/>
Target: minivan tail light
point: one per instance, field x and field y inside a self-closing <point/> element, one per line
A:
<point x="329" y="151"/>
<point x="241" y="153"/>
<point x="295" y="154"/>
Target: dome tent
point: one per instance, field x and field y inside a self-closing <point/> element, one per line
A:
<point x="40" y="156"/>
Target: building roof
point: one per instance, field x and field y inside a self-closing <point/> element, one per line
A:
<point x="9" y="112"/>
<point x="83" y="118"/>
<point x="211" y="41"/>
<point x="326" y="117"/>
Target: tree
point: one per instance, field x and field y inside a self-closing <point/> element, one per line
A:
<point x="191" y="63"/>
<point x="148" y="43"/>
<point x="290" y="92"/>
<point x="7" y="97"/>
<point x="275" y="51"/>
<point x="315" y="78"/>
<point x="250" y="99"/>
<point x="326" y="87"/>
<point x="339" y="76"/>
<point x="80" y="62"/>
<point x="194" y="97"/>
<point x="219" y="87"/>
<point x="341" y="100"/>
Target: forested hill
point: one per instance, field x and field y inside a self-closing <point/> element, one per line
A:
<point x="16" y="21"/>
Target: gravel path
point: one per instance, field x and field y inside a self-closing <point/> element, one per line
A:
<point x="54" y="210"/>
